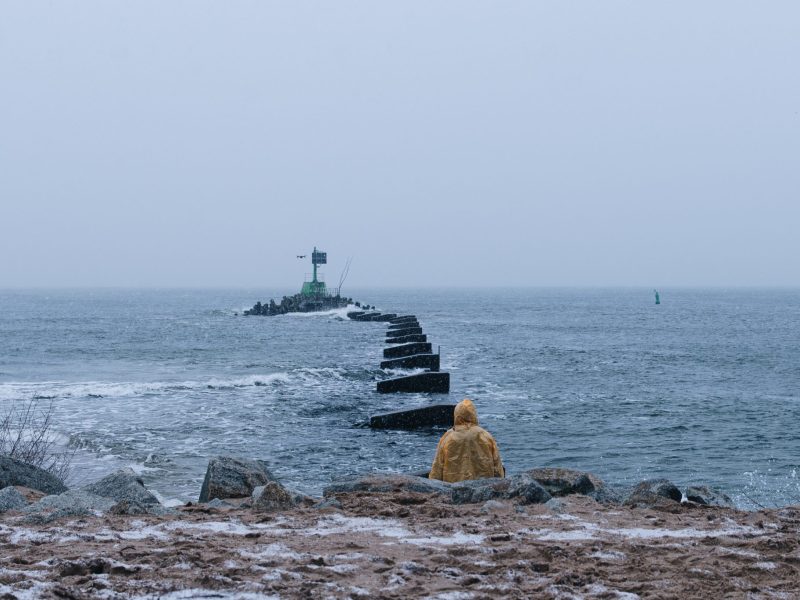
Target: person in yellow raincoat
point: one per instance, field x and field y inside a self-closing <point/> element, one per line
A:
<point x="467" y="451"/>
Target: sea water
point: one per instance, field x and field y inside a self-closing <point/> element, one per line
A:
<point x="702" y="389"/>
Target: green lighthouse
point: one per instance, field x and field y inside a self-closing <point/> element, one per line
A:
<point x="315" y="288"/>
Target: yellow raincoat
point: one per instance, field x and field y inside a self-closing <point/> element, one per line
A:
<point x="466" y="451"/>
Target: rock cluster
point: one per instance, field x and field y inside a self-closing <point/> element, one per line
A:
<point x="298" y="303"/>
<point x="232" y="481"/>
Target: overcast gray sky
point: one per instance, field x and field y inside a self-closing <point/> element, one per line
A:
<point x="437" y="143"/>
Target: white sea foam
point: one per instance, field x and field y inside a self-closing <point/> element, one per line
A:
<point x="335" y="312"/>
<point x="46" y="390"/>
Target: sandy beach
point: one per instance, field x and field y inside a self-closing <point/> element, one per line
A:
<point x="402" y="545"/>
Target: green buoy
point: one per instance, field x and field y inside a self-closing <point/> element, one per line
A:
<point x="658" y="298"/>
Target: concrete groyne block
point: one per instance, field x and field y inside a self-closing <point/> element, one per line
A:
<point x="416" y="361"/>
<point x="405" y="325"/>
<point x="438" y="415"/>
<point x="407" y="339"/>
<point x="407" y="350"/>
<point x="430" y="383"/>
<point x="365" y="316"/>
<point x="380" y="317"/>
<point x="403" y="319"/>
<point x="402" y="332"/>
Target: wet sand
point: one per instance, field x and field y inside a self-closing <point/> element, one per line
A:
<point x="405" y="545"/>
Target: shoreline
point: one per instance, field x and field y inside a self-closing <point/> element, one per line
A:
<point x="545" y="533"/>
<point x="406" y="544"/>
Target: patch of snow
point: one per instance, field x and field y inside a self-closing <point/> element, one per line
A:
<point x="335" y="524"/>
<point x="229" y="527"/>
<point x="276" y="574"/>
<point x="451" y="596"/>
<point x="455" y="539"/>
<point x="737" y="552"/>
<point x="52" y="536"/>
<point x="351" y="556"/>
<point x="357" y="591"/>
<point x="689" y="532"/>
<point x="590" y="531"/>
<point x="275" y="550"/>
<point x="395" y="581"/>
<point x="565" y="536"/>
<point x="200" y="594"/>
<point x="30" y="592"/>
<point x="23" y="573"/>
<point x="597" y="589"/>
<point x="142" y="533"/>
<point x="765" y="565"/>
<point x="610" y="555"/>
<point x="343" y="568"/>
<point x="484" y="563"/>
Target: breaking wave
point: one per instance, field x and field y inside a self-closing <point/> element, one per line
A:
<point x="54" y="390"/>
<point x="51" y="390"/>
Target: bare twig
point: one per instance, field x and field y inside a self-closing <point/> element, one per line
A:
<point x="27" y="435"/>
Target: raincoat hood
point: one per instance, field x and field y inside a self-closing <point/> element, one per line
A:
<point x="467" y="451"/>
<point x="465" y="413"/>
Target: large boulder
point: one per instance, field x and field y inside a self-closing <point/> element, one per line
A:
<point x="132" y="507"/>
<point x="16" y="472"/>
<point x="11" y="499"/>
<point x="123" y="486"/>
<point x="654" y="493"/>
<point x="73" y="503"/>
<point x="521" y="487"/>
<point x="563" y="482"/>
<point x="703" y="494"/>
<point x="229" y="477"/>
<point x="388" y="483"/>
<point x="273" y="497"/>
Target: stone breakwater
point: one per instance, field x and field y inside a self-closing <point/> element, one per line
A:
<point x="551" y="533"/>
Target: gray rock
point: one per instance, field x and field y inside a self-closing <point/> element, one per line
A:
<point x="521" y="487"/>
<point x="556" y="505"/>
<point x="703" y="494"/>
<point x="11" y="499"/>
<point x="563" y="482"/>
<point x="229" y="477"/>
<point x="217" y="503"/>
<point x="527" y="489"/>
<point x="492" y="506"/>
<point x="274" y="497"/>
<point x="328" y="503"/>
<point x="73" y="503"/>
<point x="15" y="472"/>
<point x="653" y="493"/>
<point x="123" y="486"/>
<point x="611" y="494"/>
<point x="131" y="507"/>
<point x="388" y="483"/>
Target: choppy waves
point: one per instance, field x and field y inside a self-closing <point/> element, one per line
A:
<point x="54" y="390"/>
